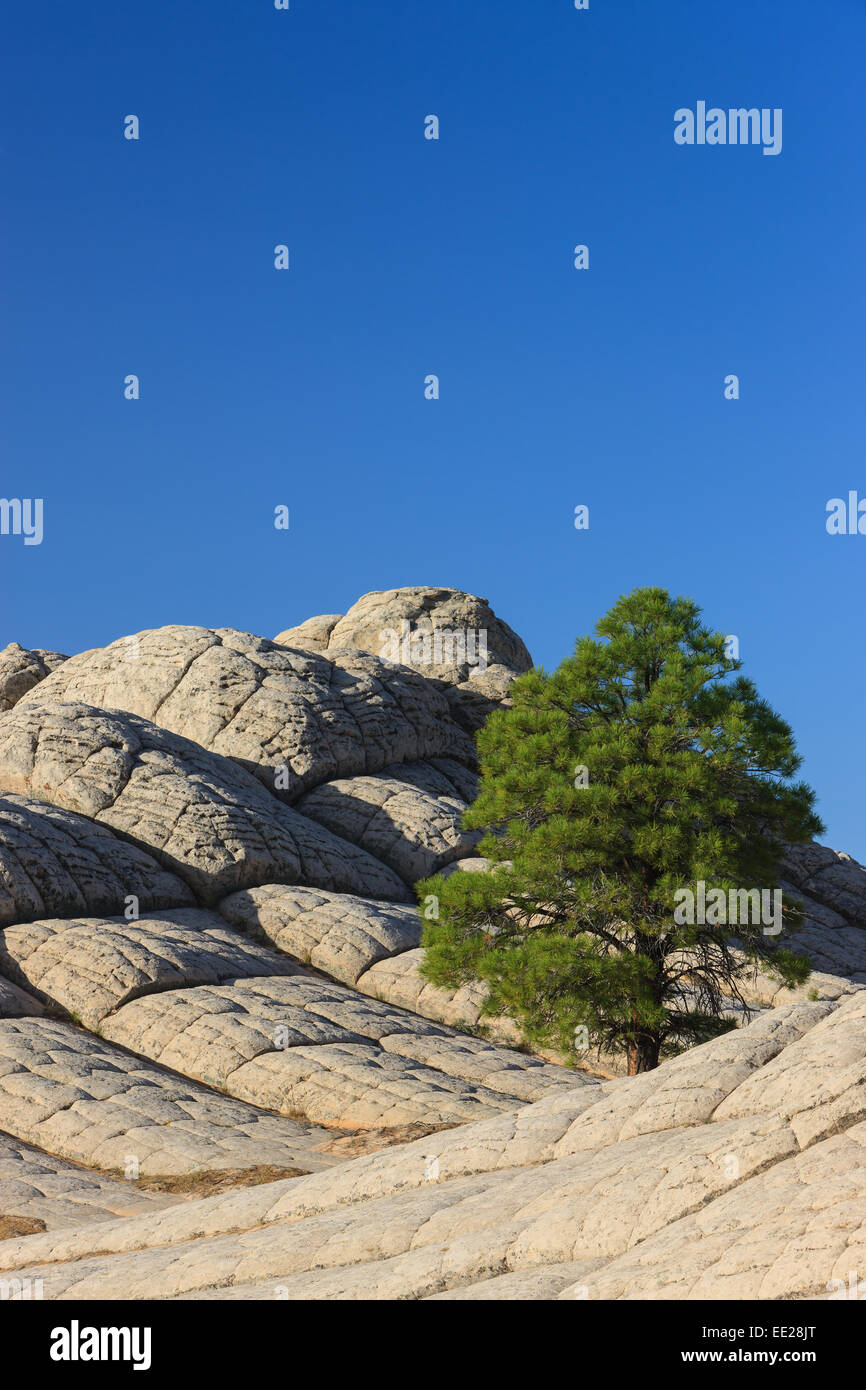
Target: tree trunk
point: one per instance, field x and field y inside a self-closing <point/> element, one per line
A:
<point x="643" y="1046"/>
<point x="643" y="1053"/>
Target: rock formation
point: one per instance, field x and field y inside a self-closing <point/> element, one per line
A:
<point x="20" y="670"/>
<point x="450" y="637"/>
<point x="209" y="984"/>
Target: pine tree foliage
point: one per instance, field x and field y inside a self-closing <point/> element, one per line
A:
<point x="642" y="766"/>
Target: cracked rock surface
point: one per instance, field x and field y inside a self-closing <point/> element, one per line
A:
<point x="674" y="1184"/>
<point x="450" y="636"/>
<point x="17" y="1003"/>
<point x="20" y="670"/>
<point x="60" y="1194"/>
<point x="91" y="966"/>
<point x="427" y="610"/>
<point x="196" y="812"/>
<point x="407" y="816"/>
<point x="56" y="862"/>
<point x="337" y="933"/>
<point x="309" y="717"/>
<point x="301" y="1046"/>
<point x="80" y="1098"/>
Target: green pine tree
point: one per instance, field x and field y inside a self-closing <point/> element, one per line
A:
<point x="640" y="767"/>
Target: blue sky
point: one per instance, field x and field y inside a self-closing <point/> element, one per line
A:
<point x="408" y="257"/>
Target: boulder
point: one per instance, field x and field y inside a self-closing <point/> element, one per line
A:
<point x="371" y="623"/>
<point x="20" y="670"/>
<point x="828" y="877"/>
<point x="312" y="635"/>
<point x="446" y="634"/>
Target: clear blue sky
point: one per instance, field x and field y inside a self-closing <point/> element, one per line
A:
<point x="408" y="257"/>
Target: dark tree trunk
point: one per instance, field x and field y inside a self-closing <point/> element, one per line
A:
<point x="643" y="1046"/>
<point x="643" y="1053"/>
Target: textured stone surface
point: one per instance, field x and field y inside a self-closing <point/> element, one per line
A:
<point x="831" y="889"/>
<point x="308" y="717"/>
<point x="54" y="862"/>
<point x="337" y="933"/>
<point x="61" y="1195"/>
<point x="17" y="1003"/>
<point x="407" y="816"/>
<point x="648" y="1188"/>
<point x="428" y="611"/>
<point x="423" y="628"/>
<point x="832" y="879"/>
<point x="195" y="811"/>
<point x="20" y="670"/>
<point x="397" y="980"/>
<point x="76" y="1096"/>
<point x="818" y="1081"/>
<point x="312" y="635"/>
<point x="91" y="966"/>
<point x="736" y="1170"/>
<point x="794" y="1232"/>
<point x="472" y="700"/>
<point x="304" y="1047"/>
